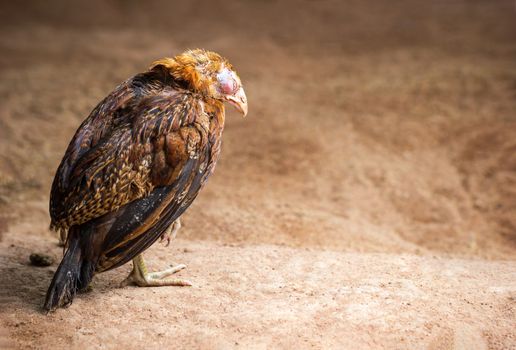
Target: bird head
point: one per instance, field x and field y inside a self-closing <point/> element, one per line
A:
<point x="209" y="74"/>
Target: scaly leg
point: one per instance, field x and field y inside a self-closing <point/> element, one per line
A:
<point x="171" y="232"/>
<point x="141" y="277"/>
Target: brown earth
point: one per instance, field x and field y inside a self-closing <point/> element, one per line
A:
<point x="368" y="200"/>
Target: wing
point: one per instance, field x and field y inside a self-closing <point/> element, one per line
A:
<point x="98" y="124"/>
<point x="106" y="117"/>
<point x="139" y="224"/>
<point x="147" y="149"/>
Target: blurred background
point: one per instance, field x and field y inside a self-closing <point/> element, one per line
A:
<point x="376" y="126"/>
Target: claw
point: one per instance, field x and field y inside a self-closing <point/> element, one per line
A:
<point x="170" y="233"/>
<point x="165" y="237"/>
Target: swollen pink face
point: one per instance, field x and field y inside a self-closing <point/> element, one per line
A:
<point x="230" y="89"/>
<point x="229" y="83"/>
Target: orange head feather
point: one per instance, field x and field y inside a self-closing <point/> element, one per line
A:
<point x="206" y="73"/>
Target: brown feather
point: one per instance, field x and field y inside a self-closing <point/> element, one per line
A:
<point x="134" y="166"/>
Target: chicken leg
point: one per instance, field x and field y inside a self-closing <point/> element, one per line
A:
<point x="141" y="277"/>
<point x="171" y="232"/>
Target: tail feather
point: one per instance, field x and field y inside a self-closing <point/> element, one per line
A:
<point x="86" y="275"/>
<point x="68" y="278"/>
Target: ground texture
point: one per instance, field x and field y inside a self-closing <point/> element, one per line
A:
<point x="368" y="200"/>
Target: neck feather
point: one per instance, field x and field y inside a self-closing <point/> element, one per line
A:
<point x="184" y="68"/>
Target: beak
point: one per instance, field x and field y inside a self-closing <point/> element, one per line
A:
<point x="239" y="100"/>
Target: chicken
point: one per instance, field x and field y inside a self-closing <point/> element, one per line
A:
<point x="135" y="165"/>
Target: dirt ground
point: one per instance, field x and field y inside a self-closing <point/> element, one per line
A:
<point x="368" y="200"/>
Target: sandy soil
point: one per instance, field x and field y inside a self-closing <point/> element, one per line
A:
<point x="264" y="296"/>
<point x="368" y="200"/>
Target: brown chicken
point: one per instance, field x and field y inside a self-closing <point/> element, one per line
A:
<point x="135" y="165"/>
